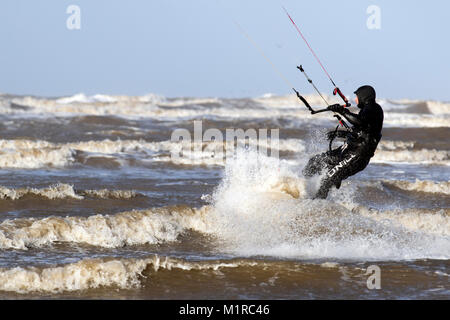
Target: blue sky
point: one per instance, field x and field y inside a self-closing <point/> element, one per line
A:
<point x="193" y="48"/>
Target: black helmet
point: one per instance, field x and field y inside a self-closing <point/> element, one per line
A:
<point x="366" y="95"/>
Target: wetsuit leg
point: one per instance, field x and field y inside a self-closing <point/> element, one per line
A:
<point x="321" y="161"/>
<point x="315" y="165"/>
<point x="351" y="163"/>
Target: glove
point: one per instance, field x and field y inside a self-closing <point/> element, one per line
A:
<point x="336" y="108"/>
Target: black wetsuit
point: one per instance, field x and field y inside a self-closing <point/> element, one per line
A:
<point x="360" y="145"/>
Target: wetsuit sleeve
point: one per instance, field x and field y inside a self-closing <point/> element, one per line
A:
<point x="355" y="119"/>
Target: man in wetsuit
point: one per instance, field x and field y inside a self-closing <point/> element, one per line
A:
<point x="360" y="145"/>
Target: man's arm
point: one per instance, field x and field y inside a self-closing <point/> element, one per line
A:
<point x="353" y="118"/>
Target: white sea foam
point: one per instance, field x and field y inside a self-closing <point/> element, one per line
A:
<point x="36" y="157"/>
<point x="261" y="208"/>
<point x="413" y="156"/>
<point x="95" y="273"/>
<point x="36" y="154"/>
<point x="57" y="191"/>
<point x="439" y="108"/>
<point x="425" y="220"/>
<point x="151" y="226"/>
<point x="422" y="186"/>
<point x="158" y="107"/>
<point x="255" y="220"/>
<point x="405" y="151"/>
<point x="412" y="120"/>
<point x="63" y="191"/>
<point x="82" y="98"/>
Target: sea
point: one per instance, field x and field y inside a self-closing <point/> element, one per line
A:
<point x="151" y="197"/>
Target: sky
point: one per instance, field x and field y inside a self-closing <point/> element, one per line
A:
<point x="195" y="49"/>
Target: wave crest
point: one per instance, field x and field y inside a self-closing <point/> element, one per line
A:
<point x="421" y="186"/>
<point x="126" y="228"/>
<point x="63" y="191"/>
<point x="95" y="273"/>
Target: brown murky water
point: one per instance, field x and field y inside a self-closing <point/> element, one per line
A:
<point x="93" y="204"/>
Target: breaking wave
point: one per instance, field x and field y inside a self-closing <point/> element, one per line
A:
<point x="261" y="208"/>
<point x="111" y="231"/>
<point x="413" y="156"/>
<point x="406" y="151"/>
<point x="421" y="113"/>
<point x="37" y="154"/>
<point x="430" y="221"/>
<point x="31" y="154"/>
<point x="96" y="273"/>
<point x="421" y="186"/>
<point x="256" y="220"/>
<point x="62" y="191"/>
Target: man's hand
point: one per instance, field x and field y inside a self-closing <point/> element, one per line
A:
<point x="336" y="108"/>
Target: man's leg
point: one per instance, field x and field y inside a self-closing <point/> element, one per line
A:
<point x="321" y="161"/>
<point x="351" y="164"/>
<point x="315" y="165"/>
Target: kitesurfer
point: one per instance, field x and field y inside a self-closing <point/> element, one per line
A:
<point x="360" y="144"/>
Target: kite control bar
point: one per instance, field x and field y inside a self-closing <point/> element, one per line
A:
<point x="302" y="99"/>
